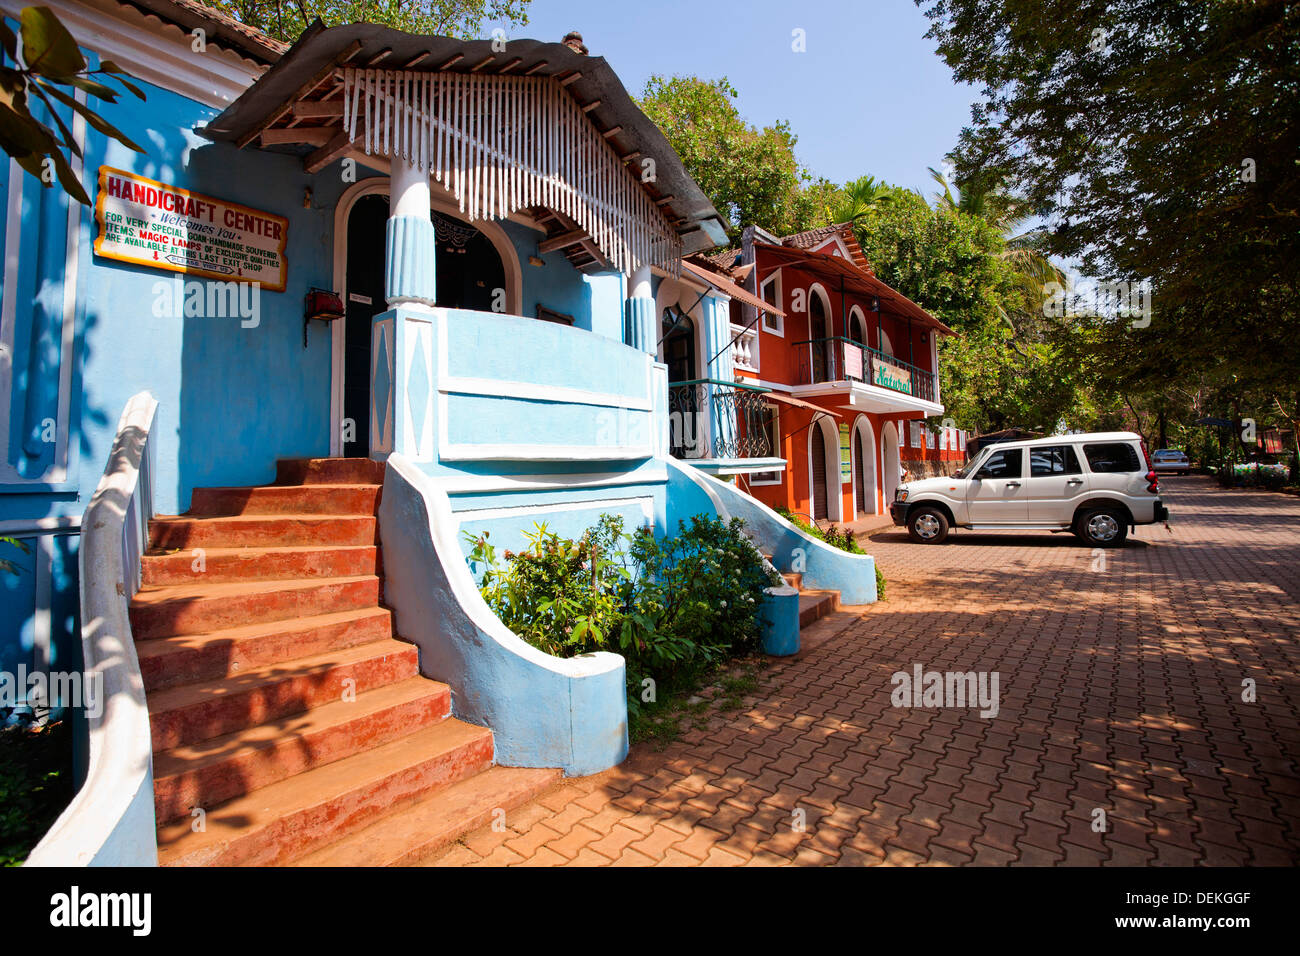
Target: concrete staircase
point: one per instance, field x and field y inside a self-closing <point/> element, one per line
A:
<point x="813" y="604"/>
<point x="289" y="725"/>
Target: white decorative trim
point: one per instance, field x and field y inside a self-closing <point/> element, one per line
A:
<point x="776" y="279"/>
<point x="444" y="205"/>
<point x="644" y="502"/>
<point x="418" y="337"/>
<point x="534" y="391"/>
<point x="487" y="484"/>
<point x="155" y="52"/>
<point x="862" y="424"/>
<point x="887" y="485"/>
<point x="834" y="487"/>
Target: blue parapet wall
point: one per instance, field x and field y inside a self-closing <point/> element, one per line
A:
<point x="543" y="711"/>
<point x="822" y="566"/>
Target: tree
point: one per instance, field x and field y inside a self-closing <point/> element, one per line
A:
<point x="286" y="19"/>
<point x="750" y="174"/>
<point x="953" y="263"/>
<point x="48" y="62"/>
<point x="857" y="198"/>
<point x="1158" y="138"/>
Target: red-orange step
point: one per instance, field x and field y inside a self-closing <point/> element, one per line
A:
<point x="287" y="819"/>
<point x="188" y="658"/>
<point x="410" y="833"/>
<point x="190" y="712"/>
<point x="209" y="772"/>
<point x="195" y="608"/>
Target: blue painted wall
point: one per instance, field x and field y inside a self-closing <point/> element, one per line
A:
<point x="232" y="399"/>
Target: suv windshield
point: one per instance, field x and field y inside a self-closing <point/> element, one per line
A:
<point x="968" y="469"/>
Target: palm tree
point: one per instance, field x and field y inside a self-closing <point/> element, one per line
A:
<point x="859" y="197"/>
<point x="986" y="198"/>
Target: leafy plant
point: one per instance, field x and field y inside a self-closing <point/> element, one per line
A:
<point x="559" y="595"/>
<point x="834" y="535"/>
<point x="674" y="607"/>
<point x="35" y="785"/>
<point x="51" y="60"/>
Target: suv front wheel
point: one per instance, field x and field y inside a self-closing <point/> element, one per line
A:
<point x="1102" y="528"/>
<point x="927" y="525"/>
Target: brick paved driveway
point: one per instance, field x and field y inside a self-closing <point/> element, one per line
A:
<point x="1121" y="691"/>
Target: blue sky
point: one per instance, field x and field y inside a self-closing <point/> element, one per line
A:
<point x="870" y="95"/>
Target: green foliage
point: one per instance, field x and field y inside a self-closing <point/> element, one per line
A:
<point x="453" y="18"/>
<point x="51" y="61"/>
<point x="559" y="595"/>
<point x="833" y="535"/>
<point x="750" y="174"/>
<point x="674" y="607"/>
<point x="35" y="785"/>
<point x="1005" y="367"/>
<point x="1157" y="137"/>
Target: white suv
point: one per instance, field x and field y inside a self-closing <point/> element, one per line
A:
<point x="1096" y="485"/>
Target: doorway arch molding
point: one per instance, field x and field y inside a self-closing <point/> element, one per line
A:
<point x="441" y="203"/>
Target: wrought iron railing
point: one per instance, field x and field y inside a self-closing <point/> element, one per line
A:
<point x="840" y="359"/>
<point x="712" y="419"/>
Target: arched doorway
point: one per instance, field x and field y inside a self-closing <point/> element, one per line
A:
<point x="468" y="279"/>
<point x="825" y="497"/>
<point x="818" y="498"/>
<point x="819" y="331"/>
<point x="889" y="463"/>
<point x="468" y="267"/>
<point x="469" y="271"/>
<point x="678" y="352"/>
<point x="857" y="326"/>
<point x="864" y="468"/>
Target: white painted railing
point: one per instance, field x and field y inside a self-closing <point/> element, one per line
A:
<point x="110" y="821"/>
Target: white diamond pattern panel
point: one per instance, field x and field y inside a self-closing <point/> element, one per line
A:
<point x="504" y="143"/>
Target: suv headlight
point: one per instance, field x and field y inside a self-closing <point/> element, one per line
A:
<point x="900" y="494"/>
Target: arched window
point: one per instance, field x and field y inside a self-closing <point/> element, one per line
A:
<point x="678" y="347"/>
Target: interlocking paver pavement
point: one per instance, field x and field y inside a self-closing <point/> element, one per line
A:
<point x="1121" y="680"/>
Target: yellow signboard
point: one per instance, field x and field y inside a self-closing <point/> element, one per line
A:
<point x="148" y="223"/>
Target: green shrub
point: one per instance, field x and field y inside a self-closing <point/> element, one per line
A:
<point x="35" y="784"/>
<point x="673" y="607"/>
<point x="835" y="536"/>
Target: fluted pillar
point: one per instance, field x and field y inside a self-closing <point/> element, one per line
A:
<point x="409" y="274"/>
<point x="639" y="323"/>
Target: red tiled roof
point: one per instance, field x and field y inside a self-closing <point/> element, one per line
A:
<point x="843" y="231"/>
<point x="221" y="29"/>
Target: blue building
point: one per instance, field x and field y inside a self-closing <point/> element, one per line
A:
<point x="460" y="260"/>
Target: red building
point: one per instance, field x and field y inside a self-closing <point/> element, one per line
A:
<point x="851" y="372"/>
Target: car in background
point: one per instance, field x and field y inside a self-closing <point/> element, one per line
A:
<point x="1096" y="485"/>
<point x="1170" y="459"/>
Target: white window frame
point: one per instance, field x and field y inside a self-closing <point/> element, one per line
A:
<point x="757" y="479"/>
<point x="779" y="328"/>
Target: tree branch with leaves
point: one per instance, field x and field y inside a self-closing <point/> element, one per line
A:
<point x="50" y="68"/>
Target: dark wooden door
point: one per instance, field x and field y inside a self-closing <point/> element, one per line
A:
<point x="860" y="476"/>
<point x="820" y="501"/>
<point x="366" y="224"/>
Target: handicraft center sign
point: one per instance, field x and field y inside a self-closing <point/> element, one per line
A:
<point x="149" y="223"/>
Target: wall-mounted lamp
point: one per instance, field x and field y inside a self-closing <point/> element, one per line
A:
<point x="322" y="305"/>
<point x="875" y="304"/>
<point x="925" y="337"/>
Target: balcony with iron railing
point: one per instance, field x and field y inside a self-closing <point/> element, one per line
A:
<point x="839" y="359"/>
<point x="711" y="419"/>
